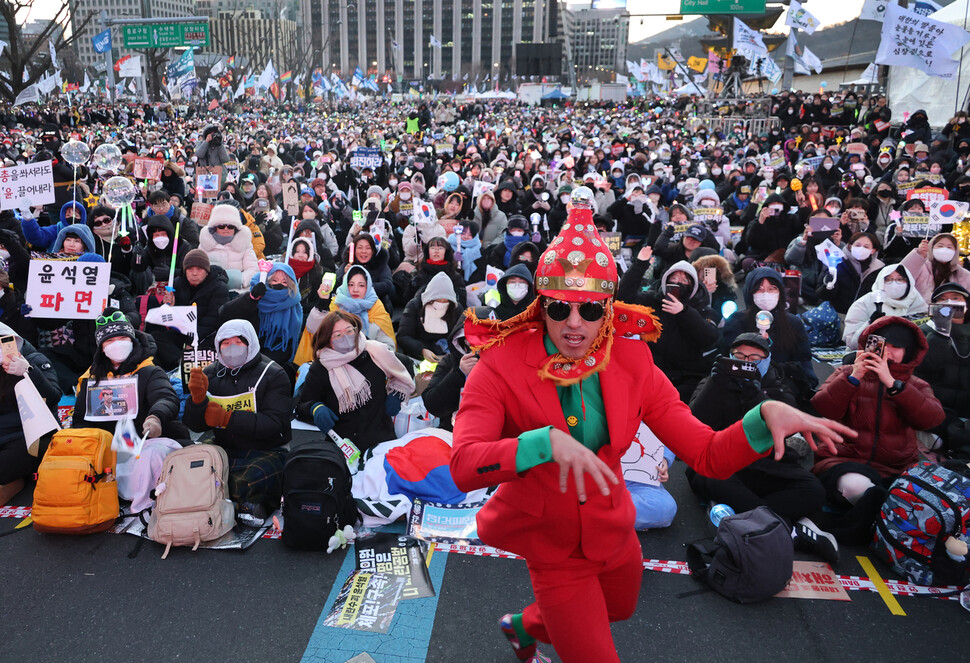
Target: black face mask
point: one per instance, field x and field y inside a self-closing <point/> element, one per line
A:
<point x="885" y="193"/>
<point x="277" y="286"/>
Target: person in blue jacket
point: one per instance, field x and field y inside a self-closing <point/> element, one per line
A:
<point x="44" y="238"/>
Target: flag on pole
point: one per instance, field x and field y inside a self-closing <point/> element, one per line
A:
<point x="395" y="45"/>
<point x="231" y="62"/>
<point x="240" y="89"/>
<point x="268" y="77"/>
<point x="217" y="69"/>
<point x="911" y="40"/>
<point x="274" y="89"/>
<point x="873" y="10"/>
<point x="50" y="45"/>
<point x="433" y="42"/>
<point x="358" y="78"/>
<point x="748" y="42"/>
<point x="799" y="18"/>
<point x="697" y="64"/>
<point x="805" y="60"/>
<point x="665" y="63"/>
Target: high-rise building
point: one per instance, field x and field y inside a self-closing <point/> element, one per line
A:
<point x="254" y="38"/>
<point x="394" y="37"/>
<point x="119" y="9"/>
<point x="596" y="41"/>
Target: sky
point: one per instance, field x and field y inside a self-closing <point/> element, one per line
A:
<point x="827" y="11"/>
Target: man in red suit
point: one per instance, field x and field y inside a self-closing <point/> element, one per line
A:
<point x="560" y="391"/>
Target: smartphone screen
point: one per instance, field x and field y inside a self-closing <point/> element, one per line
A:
<point x="8" y="345"/>
<point x="875" y="344"/>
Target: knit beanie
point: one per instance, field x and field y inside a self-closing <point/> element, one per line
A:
<point x="196" y="258"/>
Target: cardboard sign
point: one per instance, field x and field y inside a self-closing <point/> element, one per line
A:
<point x="148" y="169"/>
<point x="813" y="580"/>
<point x="366" y="157"/>
<point x="200" y="213"/>
<point x="27" y="185"/>
<point x="482" y="187"/>
<point x="445" y="523"/>
<point x="366" y="602"/>
<point x="67" y="290"/>
<point x="920" y="225"/>
<point x="291" y="197"/>
<point x="928" y="194"/>
<point x="614" y="242"/>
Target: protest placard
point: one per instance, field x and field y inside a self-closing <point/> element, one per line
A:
<point x="291" y="197"/>
<point x="201" y="212"/>
<point x="366" y="157"/>
<point x="813" y="580"/>
<point x="919" y="225"/>
<point x="27" y="185"/>
<point x="111" y="399"/>
<point x="482" y="187"/>
<point x="148" y="169"/>
<point x="928" y="194"/>
<point x="679" y="230"/>
<point x="708" y="215"/>
<point x="444" y="148"/>
<point x="444" y="523"/>
<point x="208" y="181"/>
<point x="66" y="289"/>
<point x="614" y="241"/>
<point x="397" y="555"/>
<point x="366" y="602"/>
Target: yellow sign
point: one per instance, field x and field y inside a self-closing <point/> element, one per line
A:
<point x="665" y="63"/>
<point x="245" y="402"/>
<point x="697" y="64"/>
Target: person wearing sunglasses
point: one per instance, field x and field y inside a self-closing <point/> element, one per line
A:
<point x="553" y="403"/>
<point x="229" y="244"/>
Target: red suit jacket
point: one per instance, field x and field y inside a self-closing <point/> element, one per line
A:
<point x="528" y="515"/>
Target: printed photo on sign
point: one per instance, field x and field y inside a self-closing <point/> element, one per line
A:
<point x="445" y="523"/>
<point x="111" y="400"/>
<point x="397" y="555"/>
<point x="148" y="169"/>
<point x="366" y="602"/>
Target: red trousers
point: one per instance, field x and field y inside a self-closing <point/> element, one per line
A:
<point x="577" y="599"/>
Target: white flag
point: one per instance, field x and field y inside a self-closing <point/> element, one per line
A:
<point x="27" y="95"/>
<point x="87" y="83"/>
<point x="911" y="40"/>
<point x="183" y="319"/>
<point x="748" y="41"/>
<point x="801" y="19"/>
<point x="240" y="89"/>
<point x="3" y="45"/>
<point x="268" y="77"/>
<point x="948" y="211"/>
<point x="874" y="10"/>
<point x="218" y="68"/>
<point x="634" y="69"/>
<point x="50" y="45"/>
<point x="805" y="60"/>
<point x="46" y="85"/>
<point x="870" y="75"/>
<point x="434" y="42"/>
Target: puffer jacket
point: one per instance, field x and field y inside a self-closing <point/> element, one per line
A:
<point x="159" y="260"/>
<point x="237" y="257"/>
<point x="886" y="424"/>
<point x="947" y="367"/>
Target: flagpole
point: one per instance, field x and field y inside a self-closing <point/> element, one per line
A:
<point x="845" y="67"/>
<point x="966" y="8"/>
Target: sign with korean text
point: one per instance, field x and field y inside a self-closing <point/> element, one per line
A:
<point x="919" y="225"/>
<point x="102" y="41"/>
<point x="66" y="289"/>
<point x="928" y="194"/>
<point x="200" y="213"/>
<point x="25" y="186"/>
<point x="165" y="35"/>
<point x="814" y="580"/>
<point x="366" y="157"/>
<point x="398" y="555"/>
<point x="366" y="602"/>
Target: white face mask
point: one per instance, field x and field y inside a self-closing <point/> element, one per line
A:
<point x="4" y="254"/>
<point x="895" y="289"/>
<point x="345" y="343"/>
<point x="517" y="291"/>
<point x="118" y="351"/>
<point x="437" y="309"/>
<point x="943" y="254"/>
<point x="766" y="301"/>
<point x="405" y="195"/>
<point x="715" y="171"/>
<point x="160" y="242"/>
<point x="234" y="356"/>
<point x="861" y="252"/>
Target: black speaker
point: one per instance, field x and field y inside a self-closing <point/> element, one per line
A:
<point x="538" y="59"/>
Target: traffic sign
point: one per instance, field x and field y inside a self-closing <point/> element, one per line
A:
<point x="722" y="6"/>
<point x="165" y="35"/>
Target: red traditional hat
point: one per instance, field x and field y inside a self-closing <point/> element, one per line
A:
<point x="577" y="266"/>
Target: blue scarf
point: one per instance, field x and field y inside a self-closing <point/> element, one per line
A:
<point x="280" y="315"/>
<point x="740" y="203"/>
<point x="511" y="241"/>
<point x="358" y="307"/>
<point x="471" y="250"/>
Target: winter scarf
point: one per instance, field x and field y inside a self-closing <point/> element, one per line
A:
<point x="280" y="315"/>
<point x="358" y="307"/>
<point x="354" y="390"/>
<point x="471" y="250"/>
<point x="511" y="241"/>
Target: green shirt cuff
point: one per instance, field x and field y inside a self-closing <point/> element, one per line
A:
<point x="756" y="430"/>
<point x="534" y="449"/>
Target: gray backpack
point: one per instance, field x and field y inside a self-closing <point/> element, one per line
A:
<point x="749" y="560"/>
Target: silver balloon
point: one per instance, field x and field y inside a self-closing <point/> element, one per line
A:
<point x="76" y="153"/>
<point x="107" y="157"/>
<point x="582" y="198"/>
<point x="119" y="191"/>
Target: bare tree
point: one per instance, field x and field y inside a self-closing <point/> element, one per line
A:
<point x="21" y="52"/>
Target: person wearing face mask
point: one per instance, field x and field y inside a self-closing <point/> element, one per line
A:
<point x="427" y="319"/>
<point x="855" y="273"/>
<point x="893" y="294"/>
<point x="501" y="250"/>
<point x="515" y="291"/>
<point x="801" y="255"/>
<point x="229" y="244"/>
<point x="311" y="225"/>
<point x="354" y="385"/>
<point x="157" y="256"/>
<point x="764" y="290"/>
<point x="772" y="231"/>
<point x="934" y="262"/>
<point x="439" y="258"/>
<point x="125" y="353"/>
<point x="787" y="488"/>
<point x="634" y="215"/>
<point x="557" y="215"/>
<point x="246" y="400"/>
<point x="490" y="218"/>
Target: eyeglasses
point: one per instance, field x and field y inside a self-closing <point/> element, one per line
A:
<point x="225" y="226"/>
<point x="349" y="334"/>
<point x="559" y="310"/>
<point x="740" y="356"/>
<point x="104" y="221"/>
<point x="117" y="316"/>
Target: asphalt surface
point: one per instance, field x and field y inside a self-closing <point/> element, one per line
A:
<point x="104" y="597"/>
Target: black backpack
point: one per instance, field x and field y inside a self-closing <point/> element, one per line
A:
<point x="749" y="560"/>
<point x="317" y="500"/>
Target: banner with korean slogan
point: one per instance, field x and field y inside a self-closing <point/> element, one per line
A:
<point x="366" y="157"/>
<point x="911" y="40"/>
<point x="748" y="42"/>
<point x="67" y="290"/>
<point x="27" y="185"/>
<point x="799" y="18"/>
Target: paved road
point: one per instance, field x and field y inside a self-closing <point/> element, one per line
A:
<point x="104" y="598"/>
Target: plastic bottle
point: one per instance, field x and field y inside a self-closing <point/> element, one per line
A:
<point x="720" y="511"/>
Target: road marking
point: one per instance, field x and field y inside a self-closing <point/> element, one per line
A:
<point x="881" y="587"/>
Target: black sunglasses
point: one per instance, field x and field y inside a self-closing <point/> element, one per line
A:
<point x="105" y="221"/>
<point x="560" y="310"/>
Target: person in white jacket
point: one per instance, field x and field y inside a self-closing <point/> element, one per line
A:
<point x="719" y="227"/>
<point x="893" y="293"/>
<point x="229" y="244"/>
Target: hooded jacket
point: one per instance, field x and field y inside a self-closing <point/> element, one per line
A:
<point x="860" y="313"/>
<point x="156" y="396"/>
<point x="82" y="231"/>
<point x="886" y="424"/>
<point x="379" y="271"/>
<point x="45" y="238"/>
<point x="511" y="207"/>
<point x="412" y="337"/>
<point x="237" y="257"/>
<point x="160" y="260"/>
<point x="946" y="367"/>
<point x="380" y="328"/>
<point x="922" y="268"/>
<point x="493" y="223"/>
<point x="775" y="233"/>
<point x="442" y="396"/>
<point x="506" y="307"/>
<point x="426" y="271"/>
<point x="269" y="426"/>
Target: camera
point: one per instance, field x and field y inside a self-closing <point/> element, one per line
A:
<point x="216" y="139"/>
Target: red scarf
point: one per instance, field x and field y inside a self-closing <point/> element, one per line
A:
<point x="301" y="267"/>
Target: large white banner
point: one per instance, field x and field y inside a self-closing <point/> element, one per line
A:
<point x="747" y="40"/>
<point x="26" y="186"/>
<point x="67" y="290"/>
<point x="911" y="40"/>
<point x="28" y="95"/>
<point x="130" y="68"/>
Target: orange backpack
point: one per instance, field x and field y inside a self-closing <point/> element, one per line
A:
<point x="76" y="490"/>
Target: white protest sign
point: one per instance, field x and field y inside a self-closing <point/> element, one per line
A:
<point x="130" y="68"/>
<point x="35" y="417"/>
<point x="27" y="185"/>
<point x="67" y="290"/>
<point x="640" y="461"/>
<point x="911" y="40"/>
